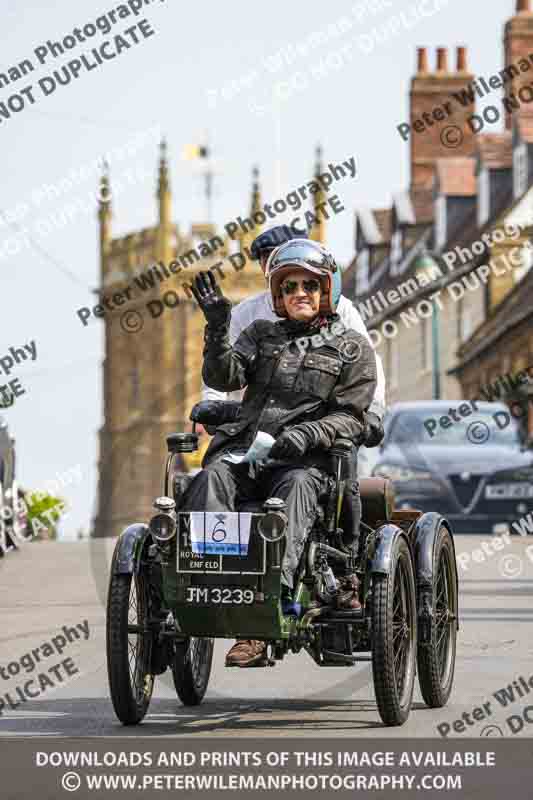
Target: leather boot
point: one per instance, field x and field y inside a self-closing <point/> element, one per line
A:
<point x="247" y="653"/>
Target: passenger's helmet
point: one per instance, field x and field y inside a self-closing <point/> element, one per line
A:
<point x="267" y="241"/>
<point x="311" y="256"/>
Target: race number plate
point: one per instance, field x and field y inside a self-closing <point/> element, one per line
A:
<point x="248" y="560"/>
<point x="219" y="595"/>
<point x="509" y="491"/>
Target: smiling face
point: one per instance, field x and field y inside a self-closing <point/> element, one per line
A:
<point x="300" y="304"/>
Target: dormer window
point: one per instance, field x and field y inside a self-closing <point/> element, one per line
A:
<point x="520" y="170"/>
<point x="395" y="250"/>
<point x="440" y="222"/>
<point x="361" y="272"/>
<point x="483" y="197"/>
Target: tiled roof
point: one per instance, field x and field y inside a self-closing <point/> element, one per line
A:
<point x="456" y="176"/>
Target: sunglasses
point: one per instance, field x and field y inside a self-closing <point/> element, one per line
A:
<point x="309" y="286"/>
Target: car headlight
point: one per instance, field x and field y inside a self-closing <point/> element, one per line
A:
<point x="163" y="524"/>
<point x="400" y="474"/>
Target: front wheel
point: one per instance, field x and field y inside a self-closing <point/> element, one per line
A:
<point x="394" y="636"/>
<point x="436" y="658"/>
<point x="191" y="669"/>
<point x="129" y="647"/>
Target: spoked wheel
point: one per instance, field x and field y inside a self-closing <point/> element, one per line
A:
<point x="192" y="668"/>
<point x="129" y="647"/>
<point x="436" y="659"/>
<point x="394" y="636"/>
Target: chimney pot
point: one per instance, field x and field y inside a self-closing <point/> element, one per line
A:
<point x="442" y="59"/>
<point x="423" y="60"/>
<point x="461" y="59"/>
<point x="523" y="6"/>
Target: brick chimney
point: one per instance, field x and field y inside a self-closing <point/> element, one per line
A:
<point x="429" y="90"/>
<point x="518" y="44"/>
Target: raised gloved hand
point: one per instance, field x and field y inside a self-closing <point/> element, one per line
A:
<point x="215" y="307"/>
<point x="373" y="432"/>
<point x="289" y="444"/>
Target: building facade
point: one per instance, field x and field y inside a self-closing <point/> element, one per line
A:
<point x="444" y="265"/>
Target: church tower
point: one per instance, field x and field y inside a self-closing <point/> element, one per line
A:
<point x="153" y="341"/>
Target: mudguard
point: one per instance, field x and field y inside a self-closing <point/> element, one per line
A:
<point x="424" y="534"/>
<point x="386" y="536"/>
<point x="128" y="549"/>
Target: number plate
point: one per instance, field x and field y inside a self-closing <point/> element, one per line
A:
<point x="219" y="596"/>
<point x="509" y="491"/>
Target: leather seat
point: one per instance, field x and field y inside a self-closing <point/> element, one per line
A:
<point x="377" y="500"/>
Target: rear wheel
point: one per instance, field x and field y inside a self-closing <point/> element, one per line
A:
<point x="129" y="646"/>
<point x="394" y="636"/>
<point x="436" y="659"/>
<point x="192" y="668"/>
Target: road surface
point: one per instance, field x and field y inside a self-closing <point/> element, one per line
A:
<point x="48" y="585"/>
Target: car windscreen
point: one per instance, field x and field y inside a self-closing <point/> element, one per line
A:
<point x="414" y="427"/>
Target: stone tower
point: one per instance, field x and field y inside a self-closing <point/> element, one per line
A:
<point x="152" y="347"/>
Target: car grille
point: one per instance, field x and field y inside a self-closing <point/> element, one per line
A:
<point x="465" y="489"/>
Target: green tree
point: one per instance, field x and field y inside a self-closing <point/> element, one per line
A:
<point x="44" y="511"/>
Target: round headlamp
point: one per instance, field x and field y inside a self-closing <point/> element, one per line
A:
<point x="273" y="524"/>
<point x="163" y="524"/>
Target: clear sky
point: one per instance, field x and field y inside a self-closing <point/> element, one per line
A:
<point x="216" y="70"/>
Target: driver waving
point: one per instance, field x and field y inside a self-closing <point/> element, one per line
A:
<point x="305" y="397"/>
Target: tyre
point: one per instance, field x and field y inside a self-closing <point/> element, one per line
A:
<point x="129" y="646"/>
<point x="394" y="636"/>
<point x="191" y="669"/>
<point x="436" y="659"/>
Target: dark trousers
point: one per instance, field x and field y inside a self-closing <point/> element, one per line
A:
<point x="222" y="486"/>
<point x="350" y="517"/>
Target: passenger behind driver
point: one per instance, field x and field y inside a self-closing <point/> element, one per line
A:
<point x="305" y="400"/>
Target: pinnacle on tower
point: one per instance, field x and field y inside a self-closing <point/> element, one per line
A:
<point x="163" y="186"/>
<point x="104" y="195"/>
<point x="318" y="230"/>
<point x="104" y="207"/>
<point x="255" y="205"/>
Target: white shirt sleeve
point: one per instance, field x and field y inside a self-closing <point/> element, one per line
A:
<point x="351" y="318"/>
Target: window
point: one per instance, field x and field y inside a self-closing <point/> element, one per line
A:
<point x="526" y="259"/>
<point x="440" y="222"/>
<point x="483" y="196"/>
<point x="395" y="250"/>
<point x="392" y="363"/>
<point x="520" y="169"/>
<point x="464" y="321"/>
<point x="362" y="272"/>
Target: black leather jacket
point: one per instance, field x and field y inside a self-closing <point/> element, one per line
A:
<point x="287" y="385"/>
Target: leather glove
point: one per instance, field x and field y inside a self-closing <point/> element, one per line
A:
<point x="290" y="444"/>
<point x="215" y="307"/>
<point x="373" y="432"/>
